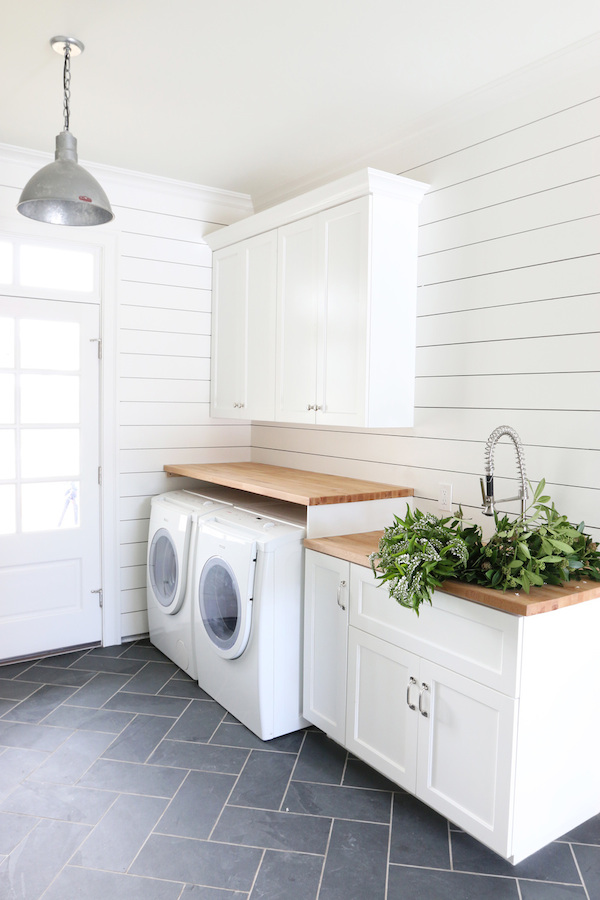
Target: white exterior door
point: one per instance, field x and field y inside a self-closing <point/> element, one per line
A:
<point x="49" y="491"/>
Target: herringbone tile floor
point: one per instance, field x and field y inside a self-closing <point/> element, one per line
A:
<point x="121" y="780"/>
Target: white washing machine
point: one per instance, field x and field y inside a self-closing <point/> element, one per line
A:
<point x="247" y="590"/>
<point x="171" y="540"/>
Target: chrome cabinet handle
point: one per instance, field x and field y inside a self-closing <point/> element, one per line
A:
<point x="424" y="689"/>
<point x="341" y="586"/>
<point x="411" y="681"/>
<point x="317" y="407"/>
<point x="238" y="405"/>
<point x="310" y="406"/>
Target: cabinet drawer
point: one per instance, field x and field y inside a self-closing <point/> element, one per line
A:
<point x="481" y="643"/>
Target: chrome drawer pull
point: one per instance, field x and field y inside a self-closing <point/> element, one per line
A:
<point x="341" y="586"/>
<point x="411" y="681"/>
<point x="424" y="687"/>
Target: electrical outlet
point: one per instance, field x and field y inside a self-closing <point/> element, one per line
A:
<point x="445" y="497"/>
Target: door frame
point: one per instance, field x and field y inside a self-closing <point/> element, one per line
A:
<point x="106" y="242"/>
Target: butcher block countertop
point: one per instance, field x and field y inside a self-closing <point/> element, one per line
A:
<point x="356" y="548"/>
<point x="293" y="485"/>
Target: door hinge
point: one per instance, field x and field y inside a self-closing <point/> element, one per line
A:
<point x="99" y="342"/>
<point x="100" y="593"/>
<point x="99" y="474"/>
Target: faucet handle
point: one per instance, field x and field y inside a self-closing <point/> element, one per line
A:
<point x="487" y="493"/>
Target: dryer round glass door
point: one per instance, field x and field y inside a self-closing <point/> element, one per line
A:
<point x="163" y="570"/>
<point x="225" y="615"/>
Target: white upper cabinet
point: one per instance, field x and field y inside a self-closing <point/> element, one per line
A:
<point x="243" y="344"/>
<point x="345" y="275"/>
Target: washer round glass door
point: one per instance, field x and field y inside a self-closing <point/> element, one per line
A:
<point x="163" y="569"/>
<point x="225" y="615"/>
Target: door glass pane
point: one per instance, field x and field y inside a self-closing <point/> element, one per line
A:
<point x="7" y="455"/>
<point x="7" y="509"/>
<point x="49" y="399"/>
<point x="49" y="453"/>
<point x="219" y="601"/>
<point x="49" y="345"/>
<point x="57" y="268"/>
<point x="7" y="399"/>
<point x="47" y="507"/>
<point x="163" y="567"/>
<point x="6" y="267"/>
<point x="7" y="343"/>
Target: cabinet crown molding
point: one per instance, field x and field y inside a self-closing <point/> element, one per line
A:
<point x="360" y="184"/>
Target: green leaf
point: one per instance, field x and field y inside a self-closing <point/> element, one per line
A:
<point x="560" y="545"/>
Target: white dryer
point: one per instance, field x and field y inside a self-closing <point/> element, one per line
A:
<point x="173" y="523"/>
<point x="247" y="590"/>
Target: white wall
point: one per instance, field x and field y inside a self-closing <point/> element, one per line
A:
<point x="508" y="325"/>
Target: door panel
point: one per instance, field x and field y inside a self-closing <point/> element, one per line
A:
<point x="49" y="492"/>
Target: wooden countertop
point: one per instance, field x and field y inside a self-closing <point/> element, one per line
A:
<point x="294" y="485"/>
<point x="357" y="547"/>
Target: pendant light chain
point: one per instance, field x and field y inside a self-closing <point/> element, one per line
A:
<point x="67" y="84"/>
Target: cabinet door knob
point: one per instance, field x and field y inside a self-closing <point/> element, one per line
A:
<point x="411" y="681"/>
<point x="424" y="689"/>
<point x="341" y="587"/>
<point x="310" y="406"/>
<point x="317" y="407"/>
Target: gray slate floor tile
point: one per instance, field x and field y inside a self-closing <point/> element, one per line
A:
<point x="588" y="860"/>
<point x="199" y="721"/>
<point x="406" y="883"/>
<point x="198" y="862"/>
<point x="419" y="835"/>
<point x="139" y="739"/>
<point x="290" y="875"/>
<point x="98" y="690"/>
<point x="13" y="828"/>
<point x="27" y="872"/>
<point x="203" y="757"/>
<point x="117" y="839"/>
<point x="274" y="830"/>
<point x="356" y="862"/>
<point x="89" y="719"/>
<point x="552" y="863"/>
<point x="148" y="704"/>
<point x="31" y="737"/>
<point x="133" y="778"/>
<point x="264" y="780"/>
<point x="76" y="884"/>
<point x="197" y="804"/>
<point x="152" y="677"/>
<point x="339" y="802"/>
<point x="39" y="705"/>
<point x="533" y="890"/>
<point x="58" y="801"/>
<point x="72" y="759"/>
<point x="320" y="759"/>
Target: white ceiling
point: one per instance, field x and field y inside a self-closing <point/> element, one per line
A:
<point x="261" y="96"/>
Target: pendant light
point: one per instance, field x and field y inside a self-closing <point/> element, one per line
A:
<point x="63" y="192"/>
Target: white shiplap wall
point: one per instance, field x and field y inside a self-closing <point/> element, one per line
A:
<point x="508" y="325"/>
<point x="164" y="372"/>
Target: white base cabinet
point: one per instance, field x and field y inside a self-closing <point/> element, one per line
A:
<point x="476" y="711"/>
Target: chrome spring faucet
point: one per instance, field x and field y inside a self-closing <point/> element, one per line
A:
<point x="487" y="484"/>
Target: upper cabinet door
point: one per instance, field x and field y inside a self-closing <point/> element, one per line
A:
<point x="298" y="315"/>
<point x="228" y="356"/>
<point x="343" y="320"/>
<point x="244" y="329"/>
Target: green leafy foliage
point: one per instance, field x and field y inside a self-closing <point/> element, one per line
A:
<point x="417" y="553"/>
<point x="542" y="547"/>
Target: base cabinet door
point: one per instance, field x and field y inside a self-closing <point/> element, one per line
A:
<point x="466" y="748"/>
<point x="382" y="716"/>
<point x="325" y="643"/>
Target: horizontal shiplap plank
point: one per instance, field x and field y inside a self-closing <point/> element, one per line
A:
<point x="164" y="414"/>
<point x="171" y="436"/>
<point x="185" y="368"/>
<point x="551" y="391"/>
<point x="133" y="554"/>
<point x="560" y="353"/>
<point x="134" y="531"/>
<point x="164" y="390"/>
<point x="176" y="321"/>
<point x="134" y="624"/>
<point x="148" y="271"/>
<point x="134" y="600"/>
<point x="146" y="222"/>
<point x="166" y="249"/>
<point x="160" y="296"/>
<point x="166" y="344"/>
<point x="572" y="125"/>
<point x="539" y="173"/>
<point x="533" y="319"/>
<point x="133" y="577"/>
<point x="562" y="278"/>
<point x="576" y="200"/>
<point x="567" y="241"/>
<point x="148" y="460"/>
<point x="135" y="508"/>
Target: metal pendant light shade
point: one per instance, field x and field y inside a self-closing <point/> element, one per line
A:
<point x="63" y="192"/>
